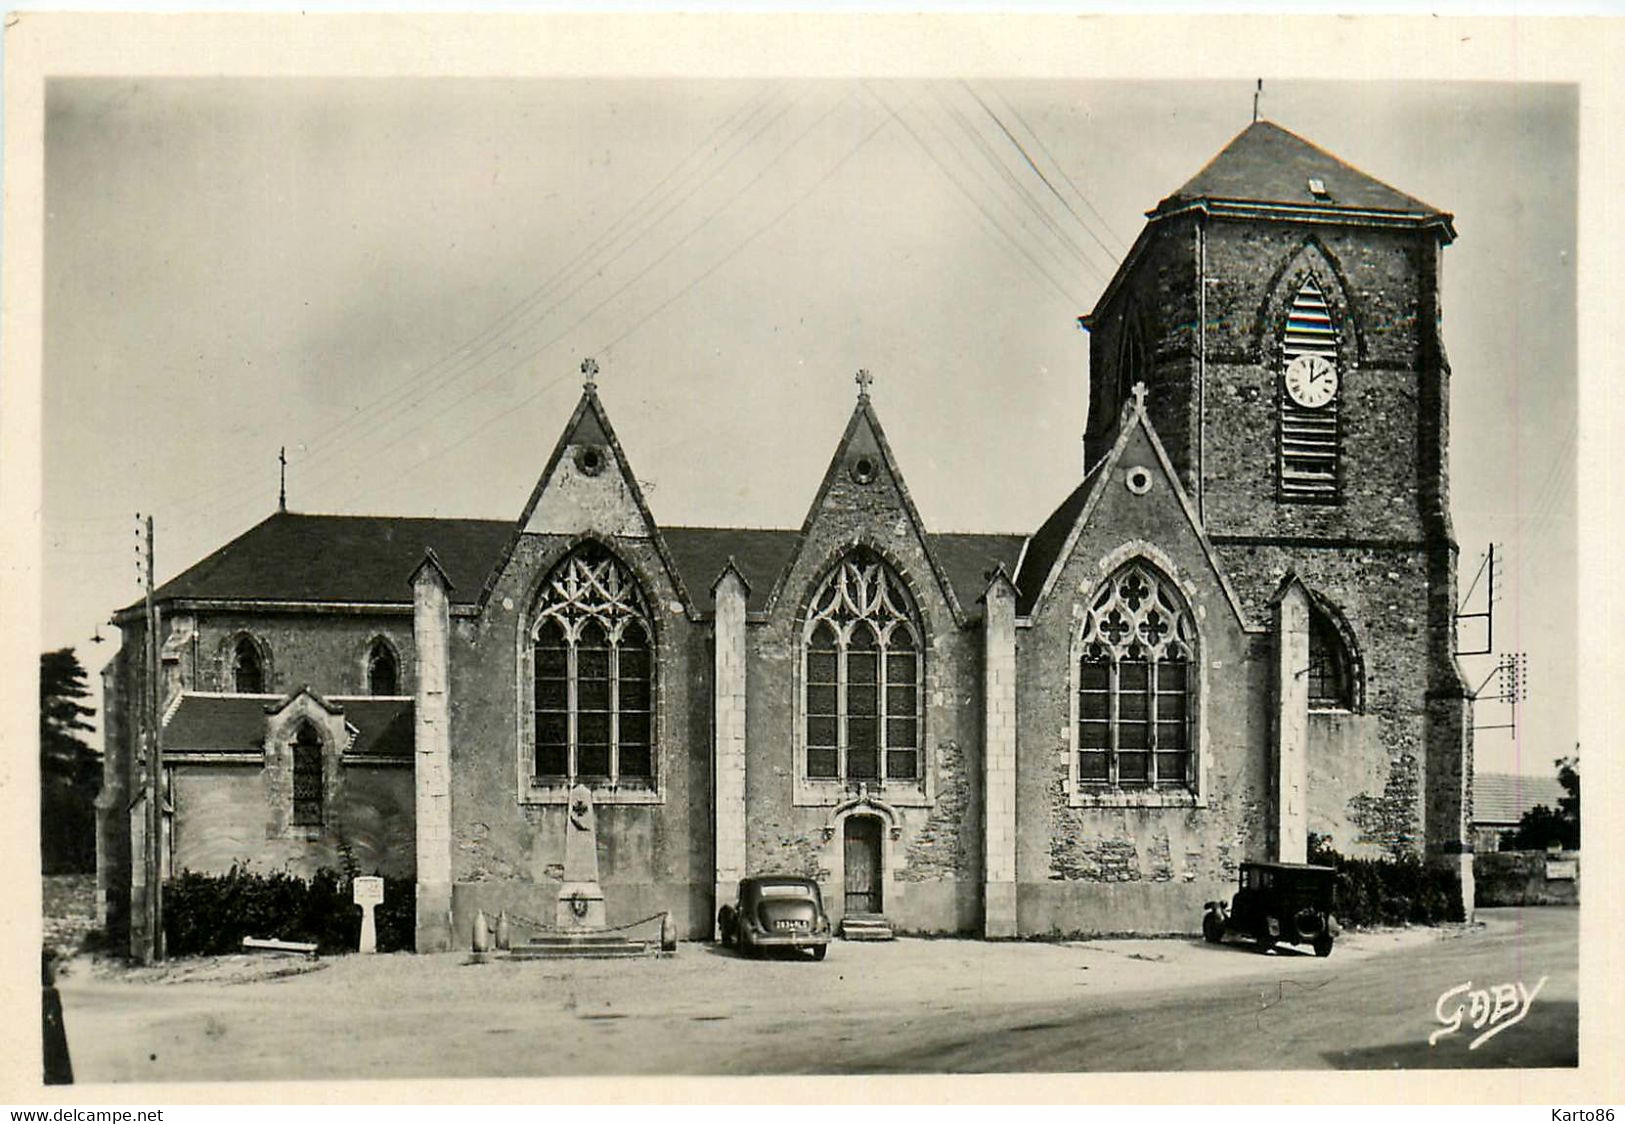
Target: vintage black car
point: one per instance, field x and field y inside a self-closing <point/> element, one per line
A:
<point x="775" y="911"/>
<point x="1290" y="902"/>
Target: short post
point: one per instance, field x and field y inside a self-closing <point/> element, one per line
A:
<point x="368" y="894"/>
<point x="482" y="932"/>
<point x="504" y="940"/>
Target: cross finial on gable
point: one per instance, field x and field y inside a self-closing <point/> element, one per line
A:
<point x="1139" y="396"/>
<point x="589" y="373"/>
<point x="863" y="378"/>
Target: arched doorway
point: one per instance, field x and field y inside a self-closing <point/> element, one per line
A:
<point x="863" y="865"/>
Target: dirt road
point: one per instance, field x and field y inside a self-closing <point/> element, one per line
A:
<point x="906" y="1006"/>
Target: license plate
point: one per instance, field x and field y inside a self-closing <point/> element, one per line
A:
<point x="789" y="924"/>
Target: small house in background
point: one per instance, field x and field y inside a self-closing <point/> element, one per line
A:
<point x="1501" y="799"/>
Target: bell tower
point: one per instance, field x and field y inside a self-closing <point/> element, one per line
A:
<point x="1282" y="308"/>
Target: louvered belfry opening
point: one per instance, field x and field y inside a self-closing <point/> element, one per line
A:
<point x="1309" y="437"/>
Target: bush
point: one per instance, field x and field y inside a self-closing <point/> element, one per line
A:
<point x="210" y="914"/>
<point x="1389" y="891"/>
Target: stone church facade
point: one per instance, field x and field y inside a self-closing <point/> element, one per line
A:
<point x="1234" y="631"/>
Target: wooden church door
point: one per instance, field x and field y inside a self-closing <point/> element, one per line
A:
<point x="863" y="864"/>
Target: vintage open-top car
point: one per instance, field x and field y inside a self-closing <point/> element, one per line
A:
<point x="775" y="911"/>
<point x="1290" y="902"/>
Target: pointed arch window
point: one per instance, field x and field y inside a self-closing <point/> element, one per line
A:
<point x="247" y="667"/>
<point x="308" y="776"/>
<point x="1136" y="686"/>
<point x="862" y="674"/>
<point x="1309" y="400"/>
<point x="1331" y="664"/>
<point x="593" y="662"/>
<point x="383" y="669"/>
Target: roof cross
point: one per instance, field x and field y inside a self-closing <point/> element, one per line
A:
<point x="589" y="373"/>
<point x="1139" y="396"/>
<point x="863" y="378"/>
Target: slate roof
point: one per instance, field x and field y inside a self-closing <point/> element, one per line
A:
<point x="1268" y="164"/>
<point x="214" y="724"/>
<point x="368" y="559"/>
<point x="1503" y="798"/>
<point x="700" y="553"/>
<point x="236" y="724"/>
<point x="339" y="558"/>
<point x="1050" y="540"/>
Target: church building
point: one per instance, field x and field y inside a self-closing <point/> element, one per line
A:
<point x="1234" y="631"/>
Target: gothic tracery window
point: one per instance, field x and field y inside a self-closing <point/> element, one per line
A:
<point x="593" y="650"/>
<point x="1136" y="685"/>
<point x="862" y="665"/>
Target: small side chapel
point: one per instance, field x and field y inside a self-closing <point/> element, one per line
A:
<point x="1234" y="631"/>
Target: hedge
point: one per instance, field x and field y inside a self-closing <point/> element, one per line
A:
<point x="210" y="914"/>
<point x="1392" y="891"/>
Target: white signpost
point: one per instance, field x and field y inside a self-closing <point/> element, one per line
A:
<point x="369" y="893"/>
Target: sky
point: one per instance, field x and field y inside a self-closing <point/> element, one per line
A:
<point x="397" y="279"/>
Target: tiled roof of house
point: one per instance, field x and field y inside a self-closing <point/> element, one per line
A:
<point x="1503" y="798"/>
<point x="368" y="559"/>
<point x="236" y="724"/>
<point x="1268" y="164"/>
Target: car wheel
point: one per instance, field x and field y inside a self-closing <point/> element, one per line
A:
<point x="725" y="928"/>
<point x="1323" y="945"/>
<point x="819" y="950"/>
<point x="1213" y="928"/>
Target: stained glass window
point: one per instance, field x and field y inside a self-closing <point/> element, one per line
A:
<point x="307" y="776"/>
<point x="862" y="675"/>
<point x="1135" y="685"/>
<point x="593" y="666"/>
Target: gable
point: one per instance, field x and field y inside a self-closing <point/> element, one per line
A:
<point x="863" y="499"/>
<point x="1131" y="504"/>
<point x="587" y="487"/>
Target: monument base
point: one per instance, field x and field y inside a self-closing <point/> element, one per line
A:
<point x="581" y="906"/>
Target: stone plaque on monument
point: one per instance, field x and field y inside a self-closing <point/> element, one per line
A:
<point x="368" y="893"/>
<point x="581" y="899"/>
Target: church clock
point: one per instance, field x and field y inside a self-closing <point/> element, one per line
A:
<point x="1311" y="381"/>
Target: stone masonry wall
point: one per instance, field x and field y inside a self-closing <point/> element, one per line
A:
<point x="1098" y="868"/>
<point x="507" y="852"/>
<point x="935" y="864"/>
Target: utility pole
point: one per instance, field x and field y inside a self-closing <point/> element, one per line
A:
<point x="154" y="943"/>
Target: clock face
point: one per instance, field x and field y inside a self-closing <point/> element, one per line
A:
<point x="1311" y="380"/>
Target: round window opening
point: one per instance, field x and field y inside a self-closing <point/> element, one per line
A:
<point x="864" y="469"/>
<point x="590" y="460"/>
<point x="1138" y="480"/>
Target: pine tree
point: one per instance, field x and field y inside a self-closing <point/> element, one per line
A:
<point x="70" y="770"/>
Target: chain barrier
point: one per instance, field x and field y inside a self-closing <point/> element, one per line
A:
<point x="543" y="927"/>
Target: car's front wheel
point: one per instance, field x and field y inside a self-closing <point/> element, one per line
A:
<point x="819" y="950"/>
<point x="1323" y="945"/>
<point x="1213" y="928"/>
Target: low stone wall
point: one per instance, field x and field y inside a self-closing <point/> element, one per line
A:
<point x="1525" y="878"/>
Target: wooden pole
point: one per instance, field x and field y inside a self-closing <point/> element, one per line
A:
<point x="154" y="944"/>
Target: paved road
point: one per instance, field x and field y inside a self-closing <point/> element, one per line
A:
<point x="909" y="1006"/>
<point x="1376" y="1014"/>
